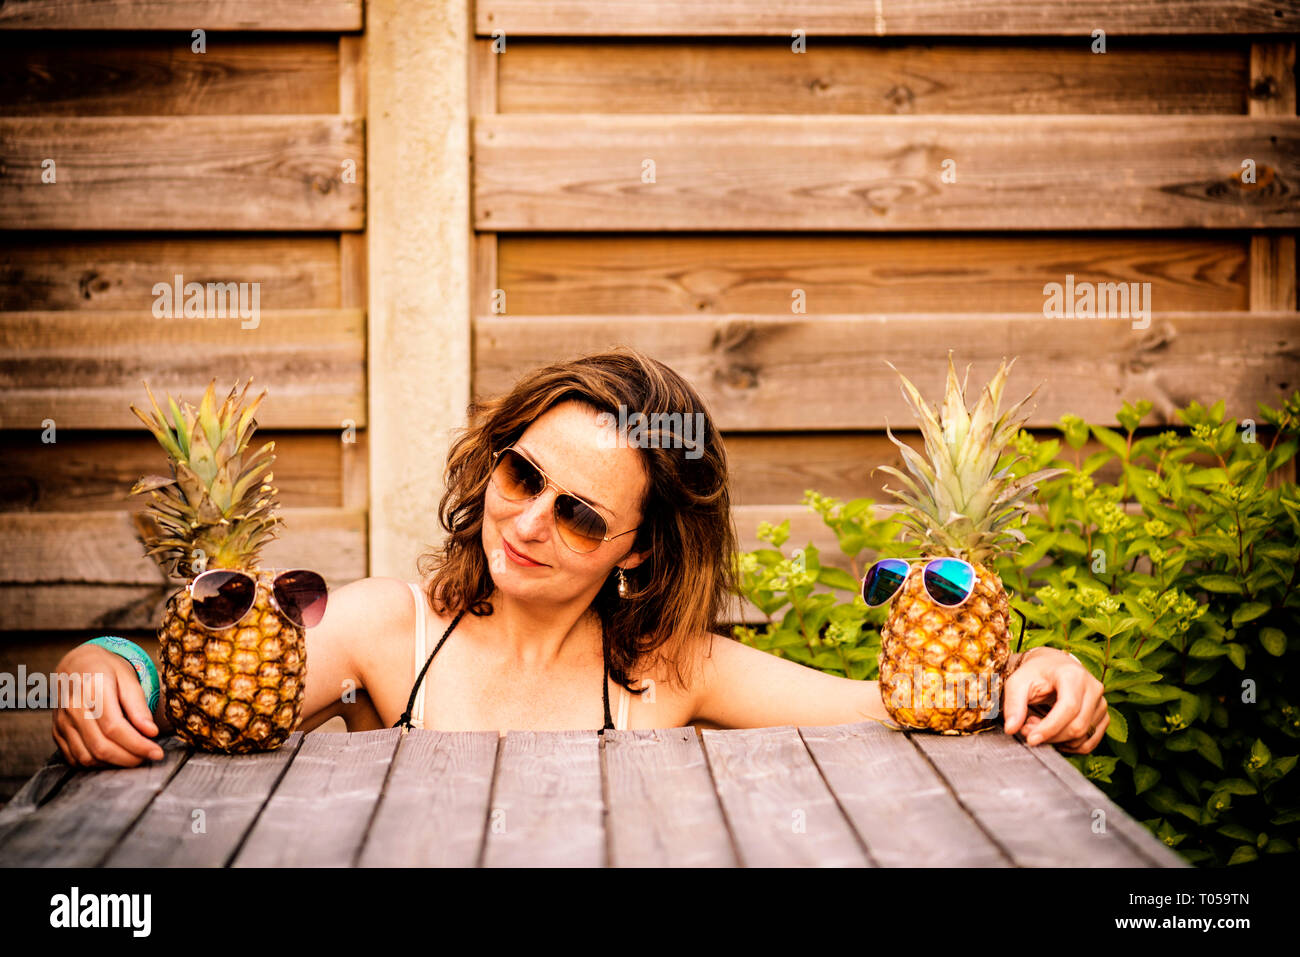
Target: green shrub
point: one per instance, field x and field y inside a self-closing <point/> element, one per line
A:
<point x="1177" y="584"/>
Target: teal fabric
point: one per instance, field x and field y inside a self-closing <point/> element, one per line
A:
<point x="143" y="664"/>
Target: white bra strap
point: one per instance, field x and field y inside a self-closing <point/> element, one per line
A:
<point x="624" y="699"/>
<point x="417" y="712"/>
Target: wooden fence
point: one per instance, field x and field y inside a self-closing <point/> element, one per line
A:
<point x="772" y="197"/>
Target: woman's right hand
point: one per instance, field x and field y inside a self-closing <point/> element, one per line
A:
<point x="122" y="733"/>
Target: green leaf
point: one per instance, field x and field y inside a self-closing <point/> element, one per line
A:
<point x="1273" y="640"/>
<point x="1118" y="727"/>
<point x="1259" y="752"/>
<point x="1111" y="439"/>
<point x="1249" y="612"/>
<point x="1207" y="748"/>
<point x="838" y="578"/>
<point x="1202" y="477"/>
<point x="1225" y="584"/>
<point x="1237" y="786"/>
<point x="1243" y="855"/>
<point x="1154" y="694"/>
<point x="1144" y="777"/>
<point x="1237" y="833"/>
<point x="1237" y="654"/>
<point x="1207" y="648"/>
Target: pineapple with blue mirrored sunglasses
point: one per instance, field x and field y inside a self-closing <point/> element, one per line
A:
<point x="946" y="641"/>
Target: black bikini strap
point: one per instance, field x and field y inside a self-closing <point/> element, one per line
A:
<point x="404" y="721"/>
<point x="604" y="689"/>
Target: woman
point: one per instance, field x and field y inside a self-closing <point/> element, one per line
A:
<point x="586" y="562"/>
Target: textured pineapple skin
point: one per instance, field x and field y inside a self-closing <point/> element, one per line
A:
<point x="970" y="643"/>
<point x="237" y="690"/>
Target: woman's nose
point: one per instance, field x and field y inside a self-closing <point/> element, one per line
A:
<point x="536" y="514"/>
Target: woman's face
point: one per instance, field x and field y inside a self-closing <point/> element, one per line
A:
<point x="577" y="452"/>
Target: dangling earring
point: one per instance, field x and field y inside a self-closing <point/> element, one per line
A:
<point x="622" y="584"/>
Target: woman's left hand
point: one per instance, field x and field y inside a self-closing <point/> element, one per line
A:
<point x="1047" y="676"/>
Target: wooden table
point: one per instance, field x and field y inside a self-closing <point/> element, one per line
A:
<point x="847" y="795"/>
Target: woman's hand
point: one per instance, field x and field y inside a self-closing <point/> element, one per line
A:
<point x="1078" y="716"/>
<point x="121" y="732"/>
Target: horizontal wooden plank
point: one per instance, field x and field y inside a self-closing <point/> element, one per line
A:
<point x="46" y="271"/>
<point x="1024" y="808"/>
<point x="183" y="173"/>
<point x="86" y="369"/>
<point x="791" y="819"/>
<point x="26" y="741"/>
<point x="768" y="467"/>
<point x="228" y="791"/>
<point x="304" y="15"/>
<point x="731" y="75"/>
<point x="434" y="802"/>
<point x="94" y="471"/>
<point x="592" y="172"/>
<point x="125" y="610"/>
<point x="661" y="806"/>
<point x="547" y="806"/>
<point x="101" y="548"/>
<point x="1115" y="818"/>
<point x="905" y="814"/>
<point x="883" y="18"/>
<point x="319" y="812"/>
<point x="32" y="785"/>
<point x="91" y="810"/>
<point x="710" y="274"/>
<point x="88" y="74"/>
<point x="829" y="372"/>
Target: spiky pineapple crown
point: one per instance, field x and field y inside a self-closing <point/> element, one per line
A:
<point x="214" y="511"/>
<point x="954" y="504"/>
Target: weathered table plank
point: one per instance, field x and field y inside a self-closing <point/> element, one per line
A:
<point x="228" y="790"/>
<point x="319" y="814"/>
<point x="779" y="809"/>
<point x="435" y="803"/>
<point x="1023" y="806"/>
<point x="547" y="808"/>
<point x="30" y="796"/>
<point x="896" y="801"/>
<point x="83" y="821"/>
<point x="662" y="808"/>
<point x="1142" y="840"/>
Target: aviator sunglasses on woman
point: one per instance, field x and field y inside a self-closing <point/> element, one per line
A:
<point x="223" y="596"/>
<point x="949" y="581"/>
<point x="580" y="526"/>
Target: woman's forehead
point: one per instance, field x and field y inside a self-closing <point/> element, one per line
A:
<point x="575" y="448"/>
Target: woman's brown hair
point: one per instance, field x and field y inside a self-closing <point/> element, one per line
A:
<point x="679" y="592"/>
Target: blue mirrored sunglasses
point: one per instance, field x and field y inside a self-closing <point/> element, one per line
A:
<point x="948" y="581"/>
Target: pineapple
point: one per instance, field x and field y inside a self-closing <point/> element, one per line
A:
<point x="239" y="689"/>
<point x="941" y="668"/>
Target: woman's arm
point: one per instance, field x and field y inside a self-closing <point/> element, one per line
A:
<point x="742" y="687"/>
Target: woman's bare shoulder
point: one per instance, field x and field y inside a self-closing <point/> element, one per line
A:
<point x="387" y="608"/>
<point x="684" y="671"/>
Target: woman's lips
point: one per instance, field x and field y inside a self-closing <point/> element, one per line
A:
<point x="519" y="559"/>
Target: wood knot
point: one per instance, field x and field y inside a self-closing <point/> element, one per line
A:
<point x="900" y="98"/>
